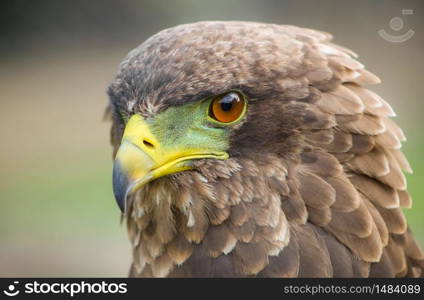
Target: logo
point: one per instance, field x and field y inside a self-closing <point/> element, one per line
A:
<point x="396" y="24"/>
<point x="11" y="289"/>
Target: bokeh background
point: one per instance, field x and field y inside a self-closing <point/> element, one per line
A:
<point x="57" y="213"/>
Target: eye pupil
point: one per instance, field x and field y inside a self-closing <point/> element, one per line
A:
<point x="228" y="100"/>
<point x="226" y="106"/>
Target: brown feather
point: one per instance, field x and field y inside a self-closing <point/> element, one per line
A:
<point x="373" y="164"/>
<point x="401" y="159"/>
<point x="347" y="62"/>
<point x="383" y="268"/>
<point x="368" y="125"/>
<point x="319" y="216"/>
<point x="370" y="99"/>
<point x="394" y="218"/>
<point x="315" y="191"/>
<point x="162" y="266"/>
<point x="404" y="199"/>
<point x="342" y="119"/>
<point x="379" y="221"/>
<point x="322" y="136"/>
<point x="315" y="119"/>
<point x="369" y="248"/>
<point x="379" y="193"/>
<point x="347" y="197"/>
<point x="218" y="240"/>
<point x="395" y="178"/>
<point x="342" y="142"/>
<point x="250" y="258"/>
<point x="397" y="256"/>
<point x="412" y="249"/>
<point x="341" y="101"/>
<point x="294" y="208"/>
<point x="217" y="215"/>
<point x="340" y="256"/>
<point x="384" y="110"/>
<point x="343" y="157"/>
<point x="320" y="163"/>
<point x="357" y="222"/>
<point x="366" y="78"/>
<point x="286" y="264"/>
<point x="179" y="249"/>
<point x="197" y="223"/>
<point x="314" y="258"/>
<point x="360" y="268"/>
<point x="244" y="232"/>
<point x="362" y="143"/>
<point x="239" y="214"/>
<point x="393" y="127"/>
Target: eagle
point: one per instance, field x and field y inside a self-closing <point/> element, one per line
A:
<point x="247" y="149"/>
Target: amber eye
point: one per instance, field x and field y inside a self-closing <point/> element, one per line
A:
<point x="227" y="108"/>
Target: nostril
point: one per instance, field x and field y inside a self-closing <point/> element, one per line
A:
<point x="148" y="144"/>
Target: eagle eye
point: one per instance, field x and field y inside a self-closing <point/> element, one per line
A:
<point x="227" y="108"/>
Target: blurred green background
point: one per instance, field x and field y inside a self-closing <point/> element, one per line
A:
<point x="57" y="213"/>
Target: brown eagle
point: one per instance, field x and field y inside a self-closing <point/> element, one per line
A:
<point x="250" y="149"/>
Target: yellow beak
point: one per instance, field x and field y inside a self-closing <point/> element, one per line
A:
<point x="142" y="157"/>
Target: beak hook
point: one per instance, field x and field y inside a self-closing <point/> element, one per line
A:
<point x="120" y="186"/>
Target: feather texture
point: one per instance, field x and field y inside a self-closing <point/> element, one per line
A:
<point x="314" y="183"/>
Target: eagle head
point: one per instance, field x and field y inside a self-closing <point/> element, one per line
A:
<point x="255" y="149"/>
